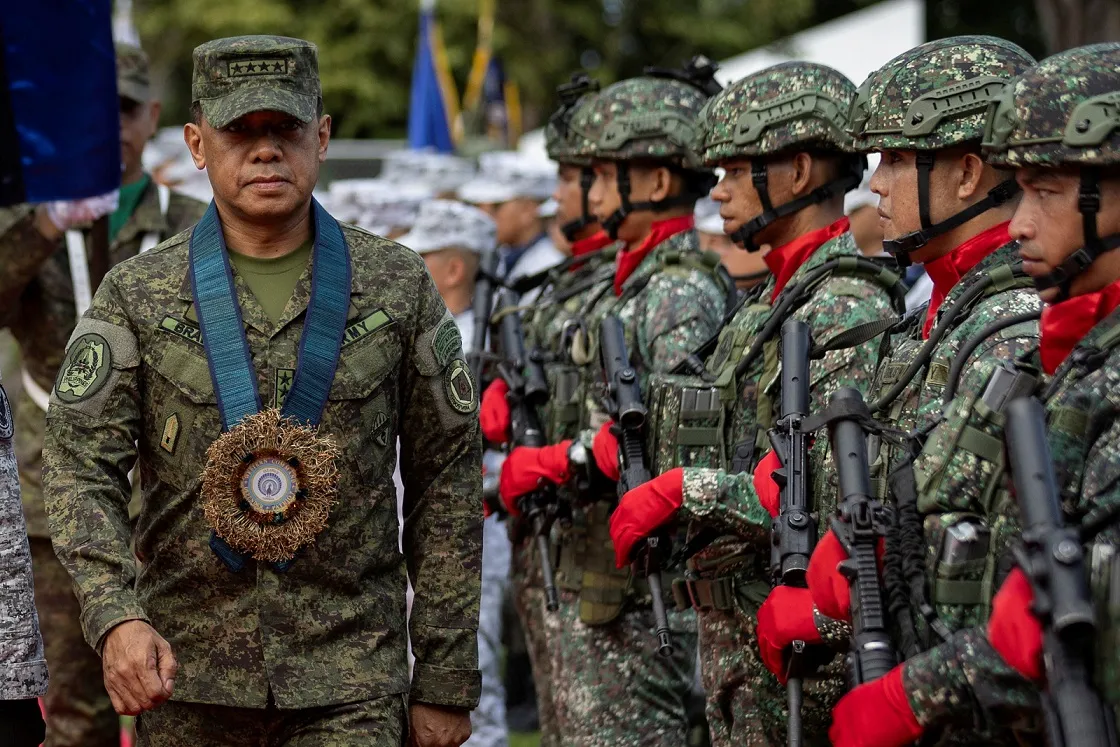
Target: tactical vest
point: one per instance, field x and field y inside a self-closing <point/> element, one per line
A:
<point x="969" y="518"/>
<point x="586" y="561"/>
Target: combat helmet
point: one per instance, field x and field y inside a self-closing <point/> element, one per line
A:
<point x="933" y="97"/>
<point x="790" y="107"/>
<point x="562" y="144"/>
<point x="650" y="118"/>
<point x="1064" y="112"/>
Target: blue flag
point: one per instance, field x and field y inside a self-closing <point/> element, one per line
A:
<point x="59" y="111"/>
<point x="433" y="99"/>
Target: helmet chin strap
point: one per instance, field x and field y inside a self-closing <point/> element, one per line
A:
<point x="688" y="196"/>
<point x="1089" y="204"/>
<point x="902" y="247"/>
<point x="572" y="228"/>
<point x="744" y="235"/>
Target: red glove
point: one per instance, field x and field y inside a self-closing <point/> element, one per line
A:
<point x="765" y="487"/>
<point x="1013" y="629"/>
<point x="786" y="616"/>
<point x="644" y="509"/>
<point x="605" y="450"/>
<point x="525" y="467"/>
<point x="829" y="590"/>
<point x="875" y="715"/>
<point x="493" y="415"/>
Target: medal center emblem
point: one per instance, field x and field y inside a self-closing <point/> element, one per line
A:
<point x="269" y="486"/>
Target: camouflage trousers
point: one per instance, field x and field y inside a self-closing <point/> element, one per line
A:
<point x="541" y="629"/>
<point x="373" y="723"/>
<point x="78" y="710"/>
<point x="746" y="703"/>
<point x="612" y="688"/>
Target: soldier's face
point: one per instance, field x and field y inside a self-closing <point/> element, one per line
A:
<point x="569" y="197"/>
<point x="896" y="182"/>
<point x="647" y="184"/>
<point x="262" y="166"/>
<point x="739" y="201"/>
<point x="1048" y="225"/>
<point x="139" y="121"/>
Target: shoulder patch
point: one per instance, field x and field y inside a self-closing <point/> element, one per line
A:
<point x="7" y="428"/>
<point x="447" y="342"/>
<point x="85" y="369"/>
<point x="460" y="387"/>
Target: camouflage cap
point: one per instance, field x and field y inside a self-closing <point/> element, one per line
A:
<point x="560" y="141"/>
<point x="641" y="118"/>
<point x="133" y="79"/>
<point x="935" y="95"/>
<point x="243" y="74"/>
<point x="791" y="105"/>
<point x="1065" y="110"/>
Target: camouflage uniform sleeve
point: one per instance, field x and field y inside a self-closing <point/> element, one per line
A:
<point x="23" y="666"/>
<point x="964" y="680"/>
<point x="441" y="466"/>
<point x="89" y="447"/>
<point x="22" y="252"/>
<point x="679" y="317"/>
<point x="729" y="499"/>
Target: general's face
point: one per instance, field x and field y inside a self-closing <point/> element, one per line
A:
<point x="263" y="165"/>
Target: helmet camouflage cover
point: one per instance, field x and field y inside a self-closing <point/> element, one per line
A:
<point x="791" y="105"/>
<point x="935" y="95"/>
<point x="641" y="118"/>
<point x="1065" y="110"/>
<point x="560" y="140"/>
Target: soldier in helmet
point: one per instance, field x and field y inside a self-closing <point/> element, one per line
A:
<point x="1053" y="126"/>
<point x="943" y="206"/>
<point x="610" y="686"/>
<point x="564" y="297"/>
<point x="780" y="136"/>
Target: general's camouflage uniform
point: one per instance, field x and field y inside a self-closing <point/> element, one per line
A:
<point x="610" y="686"/>
<point x="23" y="666"/>
<point x="37" y="305"/>
<point x="746" y="704"/>
<point x="964" y="681"/>
<point x="958" y="591"/>
<point x="331" y="629"/>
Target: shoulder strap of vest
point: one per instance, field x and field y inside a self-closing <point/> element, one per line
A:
<point x="976" y="341"/>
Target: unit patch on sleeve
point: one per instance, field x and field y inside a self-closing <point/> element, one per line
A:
<point x="447" y="342"/>
<point x="85" y="369"/>
<point x="460" y="387"/>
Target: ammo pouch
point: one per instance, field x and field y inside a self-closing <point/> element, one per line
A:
<point x="603" y="587"/>
<point x="968" y="537"/>
<point x="560" y="414"/>
<point x="727" y="584"/>
<point x="685" y="424"/>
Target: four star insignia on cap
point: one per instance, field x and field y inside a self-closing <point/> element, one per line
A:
<point x="258" y="67"/>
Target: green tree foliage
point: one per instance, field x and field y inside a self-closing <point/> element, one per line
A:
<point x="366" y="46"/>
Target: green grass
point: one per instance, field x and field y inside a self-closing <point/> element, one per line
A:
<point x="524" y="740"/>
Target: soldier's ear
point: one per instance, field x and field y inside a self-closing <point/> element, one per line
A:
<point x="801" y="174"/>
<point x="192" y="135"/>
<point x="971" y="184"/>
<point x="663" y="184"/>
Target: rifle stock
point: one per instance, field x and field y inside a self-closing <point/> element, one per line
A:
<point x="860" y="522"/>
<point x="540" y="506"/>
<point x="625" y="404"/>
<point x="1053" y="559"/>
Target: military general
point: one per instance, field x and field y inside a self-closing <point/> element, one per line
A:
<point x="258" y="371"/>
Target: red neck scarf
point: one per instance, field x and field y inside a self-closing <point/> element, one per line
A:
<point x="784" y="260"/>
<point x="1065" y="324"/>
<point x="592" y="243"/>
<point x="947" y="271"/>
<point x="659" y="231"/>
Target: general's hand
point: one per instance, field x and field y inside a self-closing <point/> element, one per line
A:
<point x="433" y="726"/>
<point x="139" y="667"/>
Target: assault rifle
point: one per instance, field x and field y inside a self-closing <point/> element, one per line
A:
<point x="1053" y="559"/>
<point x="624" y="404"/>
<point x="859" y="524"/>
<point x="794" y="532"/>
<point x="486" y="284"/>
<point x="528" y="390"/>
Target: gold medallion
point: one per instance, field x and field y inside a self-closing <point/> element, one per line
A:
<point x="269" y="485"/>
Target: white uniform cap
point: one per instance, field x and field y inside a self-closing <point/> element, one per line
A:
<point x="442" y="224"/>
<point x="375" y="204"/>
<point x="707" y="217"/>
<point x="508" y="175"/>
